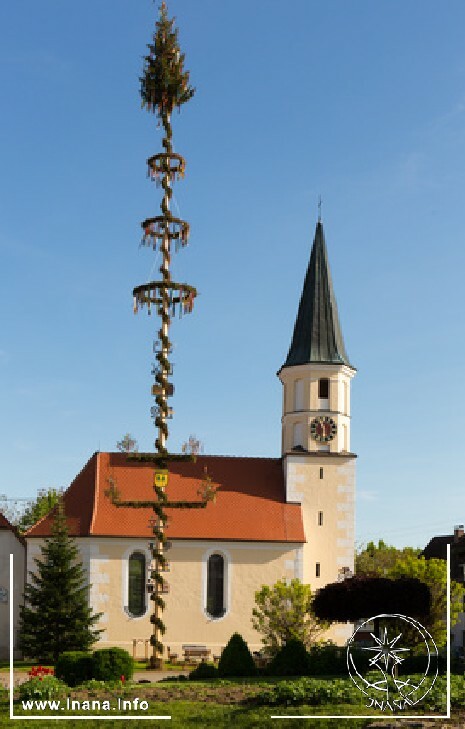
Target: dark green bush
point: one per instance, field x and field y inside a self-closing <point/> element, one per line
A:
<point x="418" y="664"/>
<point x="328" y="659"/>
<point x="291" y="660"/>
<point x="203" y="670"/>
<point x="109" y="664"/>
<point x="236" y="659"/>
<point x="457" y="665"/>
<point x="74" y="667"/>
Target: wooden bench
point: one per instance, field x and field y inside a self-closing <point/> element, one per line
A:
<point x="195" y="651"/>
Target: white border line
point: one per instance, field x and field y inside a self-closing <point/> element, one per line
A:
<point x="11" y="637"/>
<point x="448" y="626"/>
<point x="22" y="717"/>
<point x="408" y="717"/>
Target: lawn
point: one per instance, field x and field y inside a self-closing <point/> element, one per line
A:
<point x="204" y="704"/>
<point x="201" y="714"/>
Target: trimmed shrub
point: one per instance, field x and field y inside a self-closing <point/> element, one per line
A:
<point x="109" y="664"/>
<point x="203" y="670"/>
<point x="236" y="659"/>
<point x="291" y="660"/>
<point x="327" y="659"/>
<point x="361" y="596"/>
<point x="74" y="667"/>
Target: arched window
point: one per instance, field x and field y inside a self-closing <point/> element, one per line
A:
<point x="215" y="586"/>
<point x="136" y="584"/>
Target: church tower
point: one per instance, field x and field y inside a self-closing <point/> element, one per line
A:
<point x="318" y="463"/>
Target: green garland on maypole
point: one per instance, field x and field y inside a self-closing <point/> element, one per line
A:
<point x="164" y="86"/>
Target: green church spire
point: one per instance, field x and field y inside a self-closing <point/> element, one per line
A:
<point x="317" y="332"/>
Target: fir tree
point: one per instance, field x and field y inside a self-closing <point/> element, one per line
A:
<point x="56" y="616"/>
<point x="165" y="83"/>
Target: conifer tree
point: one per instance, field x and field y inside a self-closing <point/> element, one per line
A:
<point x="55" y="616"/>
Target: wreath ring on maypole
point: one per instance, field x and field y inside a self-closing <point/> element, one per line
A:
<point x="158" y="228"/>
<point x="152" y="293"/>
<point x="166" y="163"/>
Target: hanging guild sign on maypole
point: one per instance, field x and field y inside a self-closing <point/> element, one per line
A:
<point x="160" y="478"/>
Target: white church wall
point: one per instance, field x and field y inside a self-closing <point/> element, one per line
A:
<point x="249" y="565"/>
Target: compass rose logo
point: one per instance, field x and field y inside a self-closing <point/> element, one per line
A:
<point x="385" y="683"/>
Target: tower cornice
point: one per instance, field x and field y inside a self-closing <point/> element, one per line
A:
<point x="304" y="369"/>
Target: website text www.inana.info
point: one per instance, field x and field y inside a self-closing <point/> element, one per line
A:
<point x="103" y="705"/>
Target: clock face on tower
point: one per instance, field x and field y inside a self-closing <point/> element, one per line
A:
<point x="323" y="429"/>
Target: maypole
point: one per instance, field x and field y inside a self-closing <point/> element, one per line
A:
<point x="164" y="86"/>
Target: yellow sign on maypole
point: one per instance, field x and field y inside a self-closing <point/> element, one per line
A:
<point x="160" y="478"/>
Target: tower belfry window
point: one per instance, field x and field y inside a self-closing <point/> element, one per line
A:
<point x="323" y="388"/>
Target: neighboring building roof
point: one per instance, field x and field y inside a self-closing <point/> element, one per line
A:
<point x="250" y="503"/>
<point x="317" y="332"/>
<point x="437" y="547"/>
<point x="7" y="526"/>
<point x="4" y="523"/>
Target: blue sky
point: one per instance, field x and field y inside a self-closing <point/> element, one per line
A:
<point x="361" y="102"/>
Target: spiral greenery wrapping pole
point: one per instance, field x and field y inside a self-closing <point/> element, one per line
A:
<point x="165" y="318"/>
<point x="164" y="85"/>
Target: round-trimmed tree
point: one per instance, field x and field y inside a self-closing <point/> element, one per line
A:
<point x="365" y="597"/>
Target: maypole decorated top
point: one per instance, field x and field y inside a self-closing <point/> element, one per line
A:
<point x="165" y="83"/>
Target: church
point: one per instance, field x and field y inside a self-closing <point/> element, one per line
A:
<point x="287" y="517"/>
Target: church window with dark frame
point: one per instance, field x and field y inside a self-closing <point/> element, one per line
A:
<point x="215" y="606"/>
<point x="136" y="584"/>
<point x="323" y="388"/>
<point x="317" y="570"/>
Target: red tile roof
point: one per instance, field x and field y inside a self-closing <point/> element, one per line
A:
<point x="249" y="504"/>
<point x="6" y="525"/>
